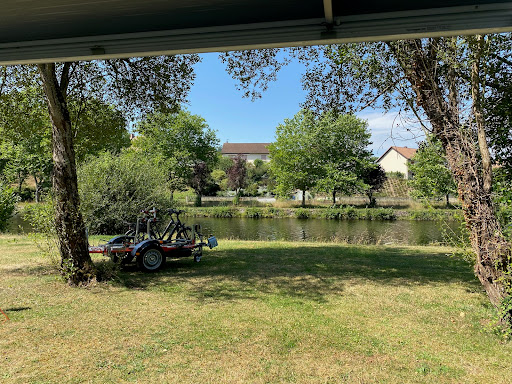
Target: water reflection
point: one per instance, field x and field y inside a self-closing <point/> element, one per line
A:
<point x="350" y="231"/>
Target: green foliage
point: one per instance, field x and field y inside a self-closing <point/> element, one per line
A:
<point x="237" y="174"/>
<point x="7" y="205"/>
<point x="432" y="177"/>
<point x="42" y="219"/>
<point x="302" y="213"/>
<point x="180" y="142"/>
<point x="502" y="195"/>
<point x="97" y="127"/>
<point x="295" y="155"/>
<point x="327" y="152"/>
<point x="114" y="188"/>
<point x="344" y="154"/>
<point x="395" y="175"/>
<point x="374" y="177"/>
<point x="254" y="213"/>
<point x="223" y="162"/>
<point x="258" y="172"/>
<point x="352" y="213"/>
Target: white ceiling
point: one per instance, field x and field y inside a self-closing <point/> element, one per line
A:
<point x="34" y="31"/>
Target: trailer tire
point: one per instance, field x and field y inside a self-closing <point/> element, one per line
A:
<point x="151" y="259"/>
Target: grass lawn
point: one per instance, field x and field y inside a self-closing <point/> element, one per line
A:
<point x="253" y="312"/>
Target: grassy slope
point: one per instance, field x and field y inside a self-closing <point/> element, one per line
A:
<point x="253" y="312"/>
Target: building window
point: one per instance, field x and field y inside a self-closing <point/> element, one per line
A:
<point x="263" y="157"/>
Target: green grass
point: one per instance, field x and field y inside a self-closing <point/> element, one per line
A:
<point x="253" y="312"/>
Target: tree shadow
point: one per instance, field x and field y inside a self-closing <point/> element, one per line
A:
<point x="309" y="272"/>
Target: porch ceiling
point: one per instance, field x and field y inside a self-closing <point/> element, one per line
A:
<point x="56" y="30"/>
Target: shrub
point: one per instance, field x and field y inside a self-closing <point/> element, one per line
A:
<point x="114" y="188"/>
<point x="271" y="212"/>
<point x="332" y="214"/>
<point x="253" y="213"/>
<point x="41" y="218"/>
<point x="222" y="212"/>
<point x="7" y="206"/>
<point x="384" y="214"/>
<point x="350" y="213"/>
<point x="302" y="213"/>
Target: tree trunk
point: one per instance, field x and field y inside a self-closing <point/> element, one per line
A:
<point x="334" y="198"/>
<point x="36" y="196"/>
<point x="492" y="251"/>
<point x="77" y="266"/>
<point x="199" y="200"/>
<point x="303" y="198"/>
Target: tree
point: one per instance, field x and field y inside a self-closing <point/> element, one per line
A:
<point x="114" y="188"/>
<point x="237" y="174"/>
<point x="136" y="86"/>
<point x="200" y="180"/>
<point x="7" y="205"/>
<point x="25" y="137"/>
<point x="374" y="177"/>
<point x="295" y="156"/>
<point x="180" y="140"/>
<point x="432" y="177"/>
<point x="344" y="140"/>
<point x="441" y="79"/>
<point x="97" y="127"/>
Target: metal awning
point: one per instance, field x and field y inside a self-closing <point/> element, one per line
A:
<point x="57" y="30"/>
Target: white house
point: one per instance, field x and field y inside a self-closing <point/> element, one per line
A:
<point x="249" y="151"/>
<point x="397" y="159"/>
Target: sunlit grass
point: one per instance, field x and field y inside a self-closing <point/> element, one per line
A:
<point x="253" y="312"/>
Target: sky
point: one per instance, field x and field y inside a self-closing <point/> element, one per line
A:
<point x="240" y="120"/>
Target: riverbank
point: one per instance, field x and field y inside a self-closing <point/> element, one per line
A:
<point x="341" y="213"/>
<point x="254" y="312"/>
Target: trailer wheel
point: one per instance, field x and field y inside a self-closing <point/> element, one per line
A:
<point x="150" y="260"/>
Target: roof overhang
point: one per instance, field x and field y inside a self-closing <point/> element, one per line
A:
<point x="67" y="30"/>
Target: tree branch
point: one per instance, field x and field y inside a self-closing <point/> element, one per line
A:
<point x="64" y="78"/>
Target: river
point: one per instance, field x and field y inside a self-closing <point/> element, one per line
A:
<point x="349" y="231"/>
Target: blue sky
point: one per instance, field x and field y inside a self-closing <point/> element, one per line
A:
<point x="214" y="97"/>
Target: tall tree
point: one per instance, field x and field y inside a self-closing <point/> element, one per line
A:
<point x="442" y="80"/>
<point x="374" y="177"/>
<point x="237" y="174"/>
<point x="432" y="177"/>
<point x="344" y="140"/>
<point x="136" y="86"/>
<point x="180" y="140"/>
<point x="295" y="156"/>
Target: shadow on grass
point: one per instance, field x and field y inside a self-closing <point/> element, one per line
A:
<point x="308" y="272"/>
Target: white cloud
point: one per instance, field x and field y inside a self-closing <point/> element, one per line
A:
<point x="391" y="128"/>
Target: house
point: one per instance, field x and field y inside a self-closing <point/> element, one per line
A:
<point x="397" y="159"/>
<point x="249" y="151"/>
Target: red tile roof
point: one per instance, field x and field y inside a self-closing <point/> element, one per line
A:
<point x="244" y="148"/>
<point x="408" y="153"/>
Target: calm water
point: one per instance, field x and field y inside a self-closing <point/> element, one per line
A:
<point x="350" y="231"/>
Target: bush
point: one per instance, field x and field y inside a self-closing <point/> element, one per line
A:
<point x="7" y="206"/>
<point x="384" y="214"/>
<point x="114" y="188"/>
<point x="271" y="212"/>
<point x="254" y="213"/>
<point x="26" y="194"/>
<point x="302" y="213"/>
<point x="41" y="218"/>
